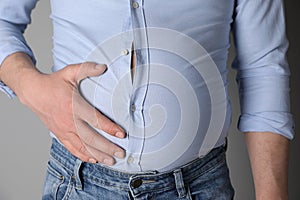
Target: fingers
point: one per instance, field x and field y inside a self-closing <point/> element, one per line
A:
<point x="85" y="152"/>
<point x="95" y="118"/>
<point x="74" y="144"/>
<point x="101" y="149"/>
<point x="100" y="157"/>
<point x="93" y="139"/>
<point x="78" y="72"/>
<point x="84" y="142"/>
<point x="89" y="69"/>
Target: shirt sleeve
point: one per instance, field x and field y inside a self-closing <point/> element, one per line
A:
<point x="262" y="68"/>
<point x="14" y="18"/>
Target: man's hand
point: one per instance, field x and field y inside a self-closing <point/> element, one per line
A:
<point x="269" y="161"/>
<point x="56" y="100"/>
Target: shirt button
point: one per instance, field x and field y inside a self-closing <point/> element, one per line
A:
<point x="130" y="160"/>
<point x="133" y="108"/>
<point x="135" y="5"/>
<point x="125" y="52"/>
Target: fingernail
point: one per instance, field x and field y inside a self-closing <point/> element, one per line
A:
<point x="98" y="66"/>
<point x="92" y="160"/>
<point x="119" y="154"/>
<point x="108" y="161"/>
<point x="120" y="134"/>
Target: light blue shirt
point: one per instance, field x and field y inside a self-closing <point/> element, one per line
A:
<point x="176" y="108"/>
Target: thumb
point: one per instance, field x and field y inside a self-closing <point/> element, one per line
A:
<point x="88" y="69"/>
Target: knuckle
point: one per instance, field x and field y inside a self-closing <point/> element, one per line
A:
<point x="69" y="70"/>
<point x="90" y="139"/>
<point x="80" y="152"/>
<point x="94" y="121"/>
<point x="88" y="64"/>
<point x="103" y="124"/>
<point x="82" y="149"/>
<point x="109" y="128"/>
<point x="108" y="147"/>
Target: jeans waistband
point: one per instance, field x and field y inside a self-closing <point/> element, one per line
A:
<point x="137" y="183"/>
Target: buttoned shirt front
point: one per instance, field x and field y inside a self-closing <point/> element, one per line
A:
<point x="176" y="107"/>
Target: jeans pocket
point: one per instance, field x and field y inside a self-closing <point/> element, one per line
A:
<point x="56" y="184"/>
<point x="213" y="184"/>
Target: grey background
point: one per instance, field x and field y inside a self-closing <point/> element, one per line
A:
<point x="24" y="143"/>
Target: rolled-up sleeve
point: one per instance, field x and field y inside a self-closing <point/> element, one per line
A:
<point x="14" y="18"/>
<point x="263" y="72"/>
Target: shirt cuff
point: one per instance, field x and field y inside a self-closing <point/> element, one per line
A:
<point x="276" y="122"/>
<point x="7" y="90"/>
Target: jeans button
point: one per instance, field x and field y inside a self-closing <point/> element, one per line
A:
<point x="136" y="183"/>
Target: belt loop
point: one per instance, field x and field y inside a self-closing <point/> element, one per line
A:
<point x="76" y="175"/>
<point x="179" y="183"/>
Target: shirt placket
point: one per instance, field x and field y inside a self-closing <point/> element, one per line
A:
<point x="140" y="86"/>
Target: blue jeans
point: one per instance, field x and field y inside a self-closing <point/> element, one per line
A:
<point x="70" y="178"/>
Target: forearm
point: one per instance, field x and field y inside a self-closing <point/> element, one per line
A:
<point x="269" y="161"/>
<point x="15" y="70"/>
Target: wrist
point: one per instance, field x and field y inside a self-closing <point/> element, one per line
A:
<point x="272" y="196"/>
<point x="25" y="82"/>
<point x="271" y="188"/>
<point x="16" y="71"/>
